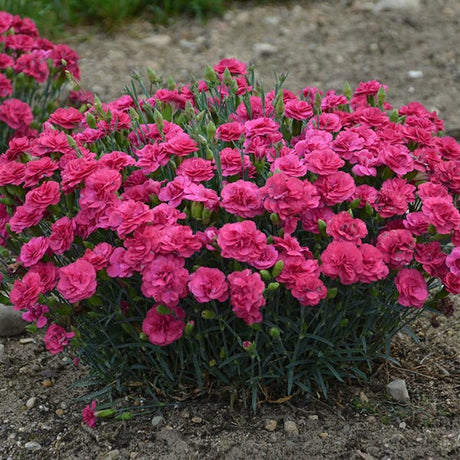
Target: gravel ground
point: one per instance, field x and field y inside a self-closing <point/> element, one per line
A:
<point x="324" y="43"/>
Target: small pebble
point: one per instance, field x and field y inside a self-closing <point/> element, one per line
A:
<point x="47" y="383"/>
<point x="2" y="353"/>
<point x="32" y="445"/>
<point x="270" y="424"/>
<point x="113" y="454"/>
<point x="197" y="419"/>
<point x="398" y="391"/>
<point x="59" y="412"/>
<point x="363" y="398"/>
<point x="156" y="420"/>
<point x="26" y="340"/>
<point x="290" y="428"/>
<point x="264" y="49"/>
<point x="415" y="74"/>
<point x="324" y="435"/>
<point x="374" y="47"/>
<point x="31" y="402"/>
<point x="313" y="417"/>
<point x="442" y="370"/>
<point x="402" y="425"/>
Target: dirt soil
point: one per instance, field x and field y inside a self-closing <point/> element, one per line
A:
<point x="415" y="52"/>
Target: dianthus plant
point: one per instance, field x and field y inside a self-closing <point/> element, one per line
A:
<point x="215" y="232"/>
<point x="32" y="75"/>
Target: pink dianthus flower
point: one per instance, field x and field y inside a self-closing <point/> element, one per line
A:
<point x="208" y="284"/>
<point x="56" y="338"/>
<point x="246" y="295"/>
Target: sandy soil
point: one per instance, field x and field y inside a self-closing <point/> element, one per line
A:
<point x="325" y="43"/>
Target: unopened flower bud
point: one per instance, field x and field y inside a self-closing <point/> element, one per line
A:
<point x="274" y="218"/>
<point x="171" y="84"/>
<point x="133" y="114"/>
<point x="92" y="123"/>
<point x="332" y="293"/>
<point x="368" y="210"/>
<point x="202" y="139"/>
<point x="154" y="199"/>
<point x="208" y="314"/>
<point x="152" y="76"/>
<point x="381" y="95"/>
<point x="163" y="309"/>
<point x="105" y="413"/>
<point x="211" y="130"/>
<point x="227" y="77"/>
<point x="355" y="203"/>
<point x="347" y="91"/>
<point x="158" y="119"/>
<point x="212" y="363"/>
<point x="275" y="332"/>
<point x="143" y="337"/>
<point x="196" y="209"/>
<point x="277" y="268"/>
<point x="206" y="215"/>
<point x="97" y="104"/>
<point x="273" y="286"/>
<point x="199" y="116"/>
<point x="322" y="226"/>
<point x="189" y="111"/>
<point x="209" y="154"/>
<point x="210" y="75"/>
<point x="71" y="141"/>
<point x="279" y="107"/>
<point x="189" y="327"/>
<point x="393" y="115"/>
<point x="265" y="275"/>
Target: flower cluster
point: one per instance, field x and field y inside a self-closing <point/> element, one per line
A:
<point x="32" y="72"/>
<point x="220" y="199"/>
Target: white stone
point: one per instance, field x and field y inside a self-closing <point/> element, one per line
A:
<point x="398" y="391"/>
<point x="272" y="20"/>
<point x="415" y="74"/>
<point x="290" y="428"/>
<point x="270" y="424"/>
<point x="158" y="41"/>
<point x="156" y="420"/>
<point x="11" y="322"/>
<point x="32" y="445"/>
<point x="388" y="5"/>
<point x="31" y="402"/>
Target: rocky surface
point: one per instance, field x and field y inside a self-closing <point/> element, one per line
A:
<point x="40" y="413"/>
<point x="411" y="46"/>
<point x="11" y="322"/>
